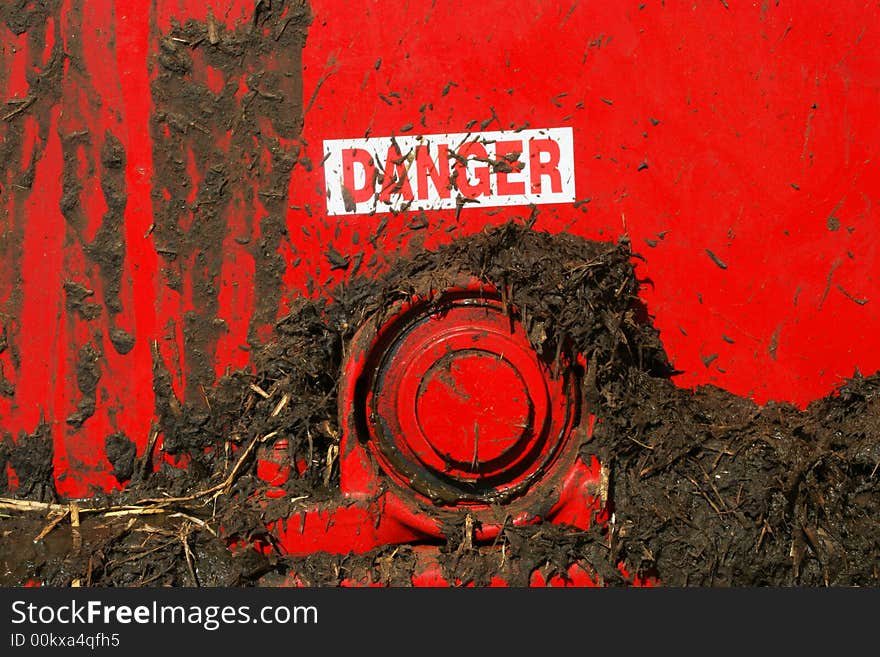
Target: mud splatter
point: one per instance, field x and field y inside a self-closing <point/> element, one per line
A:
<point x="7" y="388"/>
<point x="17" y="172"/>
<point x="108" y="247"/>
<point x="705" y="488"/>
<point x="76" y="301"/>
<point x="6" y="446"/>
<point x="121" y="452"/>
<point x="224" y="153"/>
<point x="122" y="340"/>
<point x="88" y="373"/>
<point x="31" y="459"/>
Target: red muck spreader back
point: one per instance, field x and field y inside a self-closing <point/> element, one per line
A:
<point x="180" y="178"/>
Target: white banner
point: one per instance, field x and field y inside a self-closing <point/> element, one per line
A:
<point x="434" y="172"/>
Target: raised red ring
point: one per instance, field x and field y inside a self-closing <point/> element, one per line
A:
<point x="456" y="403"/>
<point x="471" y="402"/>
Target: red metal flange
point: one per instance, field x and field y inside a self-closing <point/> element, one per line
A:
<point x="447" y="411"/>
<point x="454" y="403"/>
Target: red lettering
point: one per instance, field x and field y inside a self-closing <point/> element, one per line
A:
<point x="509" y="165"/>
<point x="540" y="168"/>
<point x="350" y="191"/>
<point x="474" y="150"/>
<point x="396" y="179"/>
<point x="438" y="172"/>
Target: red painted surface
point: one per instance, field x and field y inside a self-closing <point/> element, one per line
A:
<point x="757" y="125"/>
<point x="735" y="146"/>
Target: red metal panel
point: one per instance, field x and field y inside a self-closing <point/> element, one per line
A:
<point x="735" y="146"/>
<point x="745" y="131"/>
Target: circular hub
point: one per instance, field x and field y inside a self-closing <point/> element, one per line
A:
<point x="466" y="422"/>
<point x="457" y="405"/>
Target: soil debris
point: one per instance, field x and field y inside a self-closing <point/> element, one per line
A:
<point x="220" y="146"/>
<point x="76" y="301"/>
<point x="31" y="460"/>
<point x="718" y="261"/>
<point x="121" y="452"/>
<point x="122" y="340"/>
<point x="88" y="373"/>
<point x="705" y="488"/>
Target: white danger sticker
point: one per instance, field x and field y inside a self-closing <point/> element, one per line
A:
<point x="435" y="172"/>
